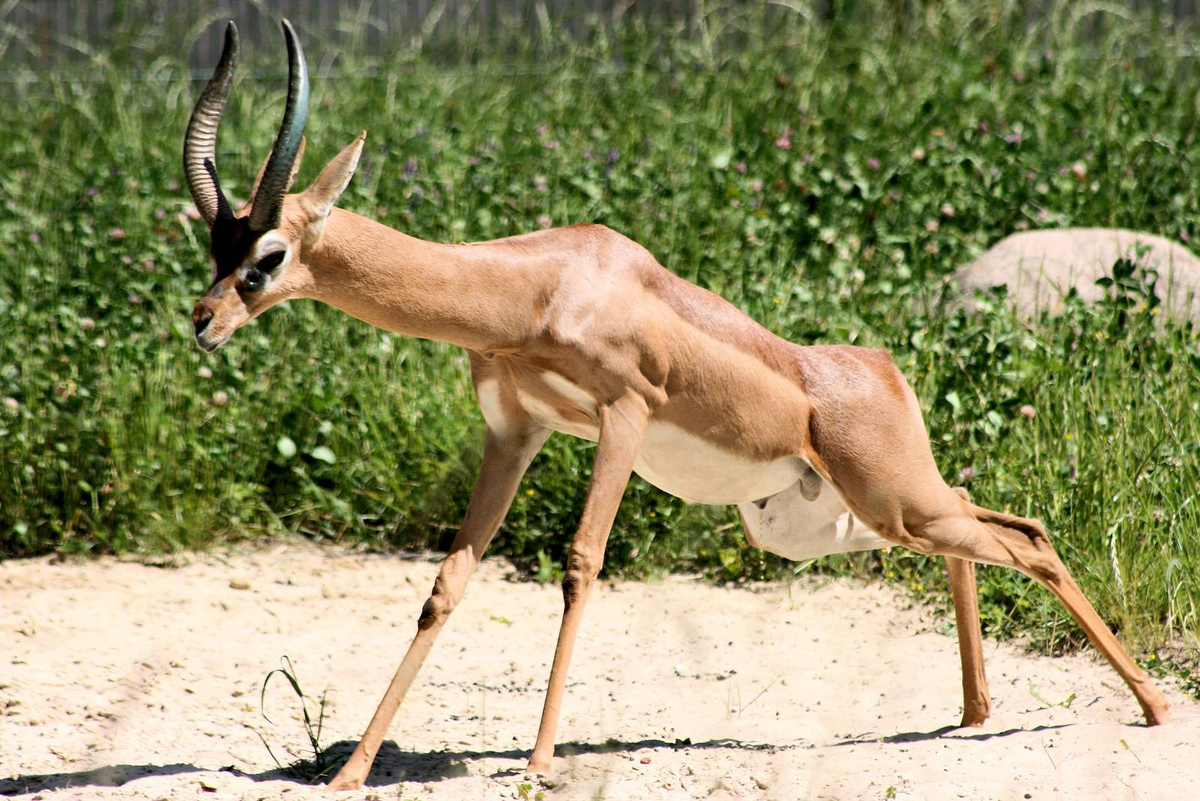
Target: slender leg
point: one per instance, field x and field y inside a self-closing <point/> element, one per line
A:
<point x="977" y="703"/>
<point x="621" y="427"/>
<point x="505" y="460"/>
<point x="1003" y="539"/>
<point x="1149" y="697"/>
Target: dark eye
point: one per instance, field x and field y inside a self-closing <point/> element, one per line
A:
<point x="270" y="261"/>
<point x="253" y="281"/>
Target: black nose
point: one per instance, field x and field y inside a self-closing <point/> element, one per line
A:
<point x="201" y="321"/>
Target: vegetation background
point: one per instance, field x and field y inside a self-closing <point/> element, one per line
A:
<point x="823" y="171"/>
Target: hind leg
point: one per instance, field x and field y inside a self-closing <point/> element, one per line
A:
<point x="996" y="538"/>
<point x="977" y="702"/>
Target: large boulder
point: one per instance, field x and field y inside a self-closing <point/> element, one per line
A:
<point x="1039" y="267"/>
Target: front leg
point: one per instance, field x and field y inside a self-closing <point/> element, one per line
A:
<point x="621" y="427"/>
<point x="506" y="455"/>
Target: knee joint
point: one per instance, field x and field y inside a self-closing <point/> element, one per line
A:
<point x="578" y="577"/>
<point x="436" y="609"/>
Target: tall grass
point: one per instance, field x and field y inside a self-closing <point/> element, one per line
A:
<point x="825" y="177"/>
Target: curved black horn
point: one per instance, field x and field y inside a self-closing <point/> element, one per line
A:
<point x="200" y="143"/>
<point x="268" y="202"/>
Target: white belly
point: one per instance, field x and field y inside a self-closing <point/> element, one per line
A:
<point x="693" y="469"/>
<point x="770" y="495"/>
<point x="670" y="458"/>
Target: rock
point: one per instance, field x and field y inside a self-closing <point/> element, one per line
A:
<point x="1039" y="267"/>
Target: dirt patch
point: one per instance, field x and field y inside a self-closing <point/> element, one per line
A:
<point x="124" y="680"/>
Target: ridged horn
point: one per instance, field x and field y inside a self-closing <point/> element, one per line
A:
<point x="200" y="142"/>
<point x="268" y="201"/>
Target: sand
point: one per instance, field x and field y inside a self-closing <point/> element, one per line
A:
<point x="120" y="679"/>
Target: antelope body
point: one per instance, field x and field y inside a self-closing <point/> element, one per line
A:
<point x="580" y="330"/>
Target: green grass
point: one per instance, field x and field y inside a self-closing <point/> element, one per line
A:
<point x="823" y="177"/>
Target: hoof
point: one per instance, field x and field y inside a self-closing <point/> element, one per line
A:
<point x="537" y="765"/>
<point x="974" y="718"/>
<point x="341" y="783"/>
<point x="1158" y="717"/>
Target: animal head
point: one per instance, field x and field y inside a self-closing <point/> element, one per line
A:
<point x="258" y="252"/>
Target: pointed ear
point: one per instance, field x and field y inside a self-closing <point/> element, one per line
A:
<point x="334" y="179"/>
<point x="258" y="180"/>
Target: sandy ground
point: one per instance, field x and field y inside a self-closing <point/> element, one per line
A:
<point x="125" y="680"/>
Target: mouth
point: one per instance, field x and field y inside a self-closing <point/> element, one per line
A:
<point x="209" y="345"/>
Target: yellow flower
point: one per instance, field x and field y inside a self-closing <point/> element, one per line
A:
<point x="529" y="492"/>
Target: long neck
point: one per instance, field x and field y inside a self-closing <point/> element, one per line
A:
<point x="475" y="296"/>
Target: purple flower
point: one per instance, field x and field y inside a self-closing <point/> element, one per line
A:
<point x="587" y="154"/>
<point x="116" y="233"/>
<point x="35" y="237"/>
<point x="92" y="191"/>
<point x="1012" y="137"/>
<point x="783" y="143"/>
<point x="553" y="144"/>
<point x="473" y="161"/>
<point x="873" y="163"/>
<point x="740" y="167"/>
<point x="410" y="169"/>
<point x="613" y="155"/>
<point x="967" y="473"/>
<point x="982" y="127"/>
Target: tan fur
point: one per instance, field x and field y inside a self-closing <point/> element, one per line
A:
<point x="586" y="308"/>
